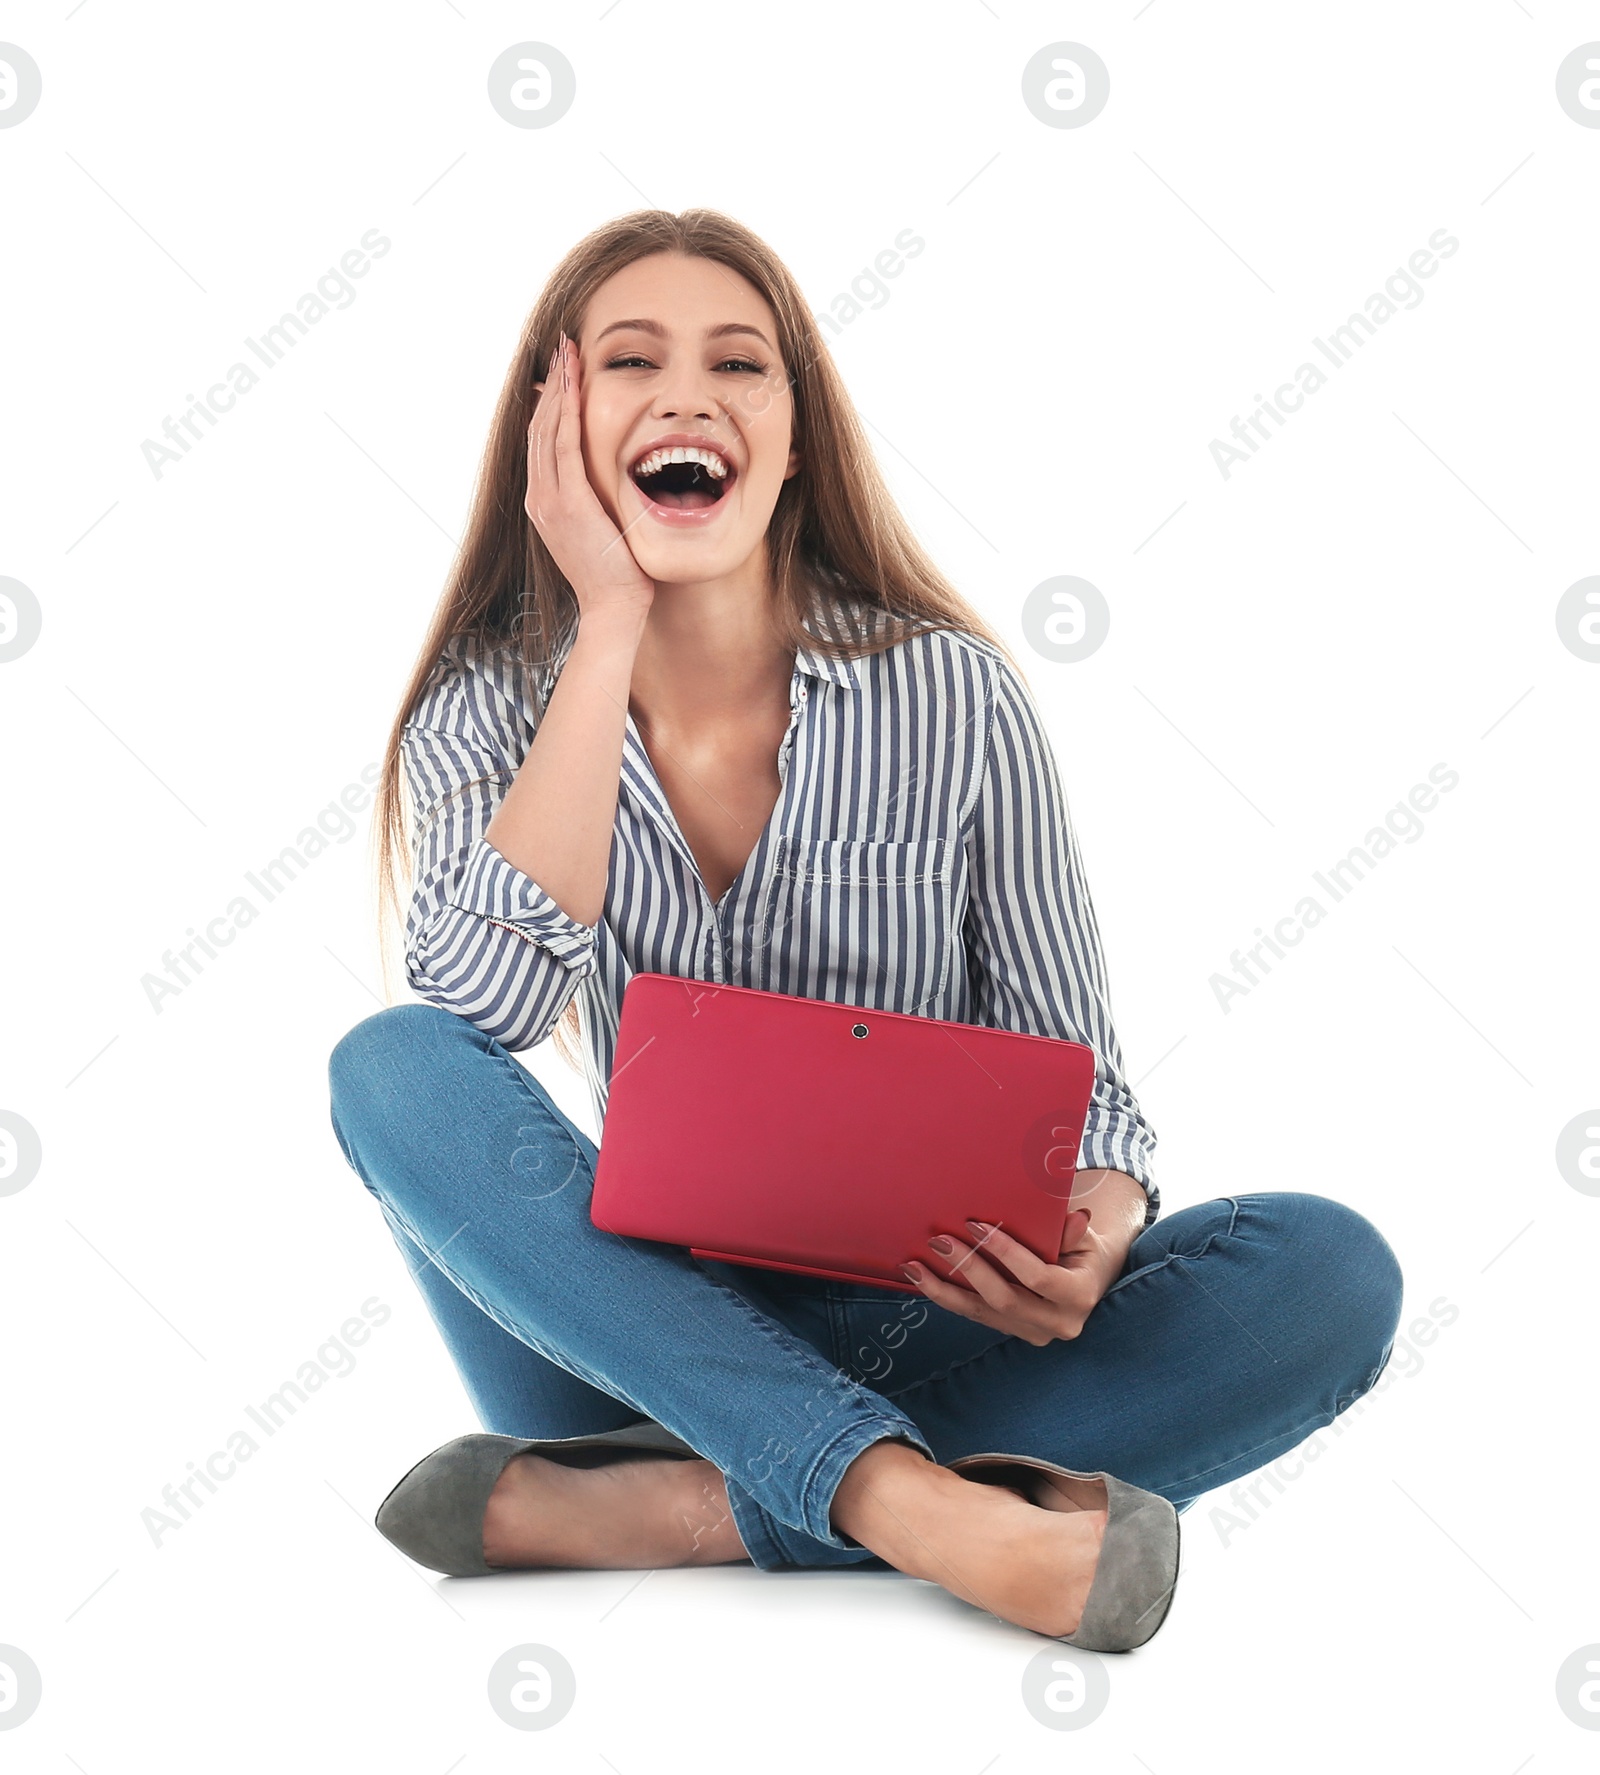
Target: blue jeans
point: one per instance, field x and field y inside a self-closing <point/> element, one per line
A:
<point x="1236" y="1329"/>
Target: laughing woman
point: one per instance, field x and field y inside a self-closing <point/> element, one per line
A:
<point x="690" y="642"/>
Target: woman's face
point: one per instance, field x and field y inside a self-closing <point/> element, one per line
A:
<point x="675" y="348"/>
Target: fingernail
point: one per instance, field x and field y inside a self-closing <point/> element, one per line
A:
<point x="911" y="1271"/>
<point x="980" y="1228"/>
<point x="941" y="1244"/>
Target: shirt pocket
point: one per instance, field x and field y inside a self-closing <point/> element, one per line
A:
<point x="860" y="921"/>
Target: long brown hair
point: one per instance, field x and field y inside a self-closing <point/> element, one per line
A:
<point x="835" y="533"/>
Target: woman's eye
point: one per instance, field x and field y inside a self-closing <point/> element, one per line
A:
<point x="633" y="358"/>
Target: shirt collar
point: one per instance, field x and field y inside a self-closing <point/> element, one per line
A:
<point x="821" y="665"/>
<point x="824" y="622"/>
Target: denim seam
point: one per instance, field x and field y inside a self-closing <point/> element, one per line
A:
<point x="1300" y="1434"/>
<point x="537" y="1097"/>
<point x="1342" y="1403"/>
<point x="844" y="1391"/>
<point x="1172" y="1257"/>
<point x="886" y="1428"/>
<point x="838" y="1326"/>
<point x="941" y="1374"/>
<point x="752" y="1519"/>
<point x="559" y="1358"/>
<point x="495" y="1049"/>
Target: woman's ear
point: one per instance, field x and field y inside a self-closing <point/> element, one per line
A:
<point x="794" y="464"/>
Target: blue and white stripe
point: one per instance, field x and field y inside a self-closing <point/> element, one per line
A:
<point x="920" y="858"/>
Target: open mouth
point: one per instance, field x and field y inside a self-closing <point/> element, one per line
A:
<point x="683" y="480"/>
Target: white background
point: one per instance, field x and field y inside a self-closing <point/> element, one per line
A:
<point x="1291" y="649"/>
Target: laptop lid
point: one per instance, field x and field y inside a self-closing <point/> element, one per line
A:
<point x="796" y="1134"/>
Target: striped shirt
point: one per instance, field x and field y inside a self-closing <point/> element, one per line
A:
<point x="920" y="858"/>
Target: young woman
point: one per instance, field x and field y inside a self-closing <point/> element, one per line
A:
<point x="696" y="702"/>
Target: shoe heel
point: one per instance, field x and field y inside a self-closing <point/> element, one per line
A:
<point x="434" y="1515"/>
<point x="1137" y="1571"/>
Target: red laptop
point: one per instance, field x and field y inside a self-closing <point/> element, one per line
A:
<point x="796" y="1134"/>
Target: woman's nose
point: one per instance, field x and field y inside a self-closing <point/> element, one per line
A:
<point x="686" y="392"/>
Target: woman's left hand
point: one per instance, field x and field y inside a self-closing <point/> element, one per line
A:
<point x="1019" y="1293"/>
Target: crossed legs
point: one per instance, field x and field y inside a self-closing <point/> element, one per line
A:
<point x="1237" y="1328"/>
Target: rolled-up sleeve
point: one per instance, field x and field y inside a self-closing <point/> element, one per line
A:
<point x="1033" y="946"/>
<point x="482" y="939"/>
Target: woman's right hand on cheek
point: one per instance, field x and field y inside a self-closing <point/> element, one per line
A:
<point x="574" y="526"/>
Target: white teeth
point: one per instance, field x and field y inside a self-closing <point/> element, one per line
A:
<point x="713" y="464"/>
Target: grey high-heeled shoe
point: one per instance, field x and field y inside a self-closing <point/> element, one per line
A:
<point x="435" y="1514"/>
<point x="1138" y="1565"/>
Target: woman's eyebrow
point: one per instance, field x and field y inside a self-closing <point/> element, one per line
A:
<point x="660" y="332"/>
